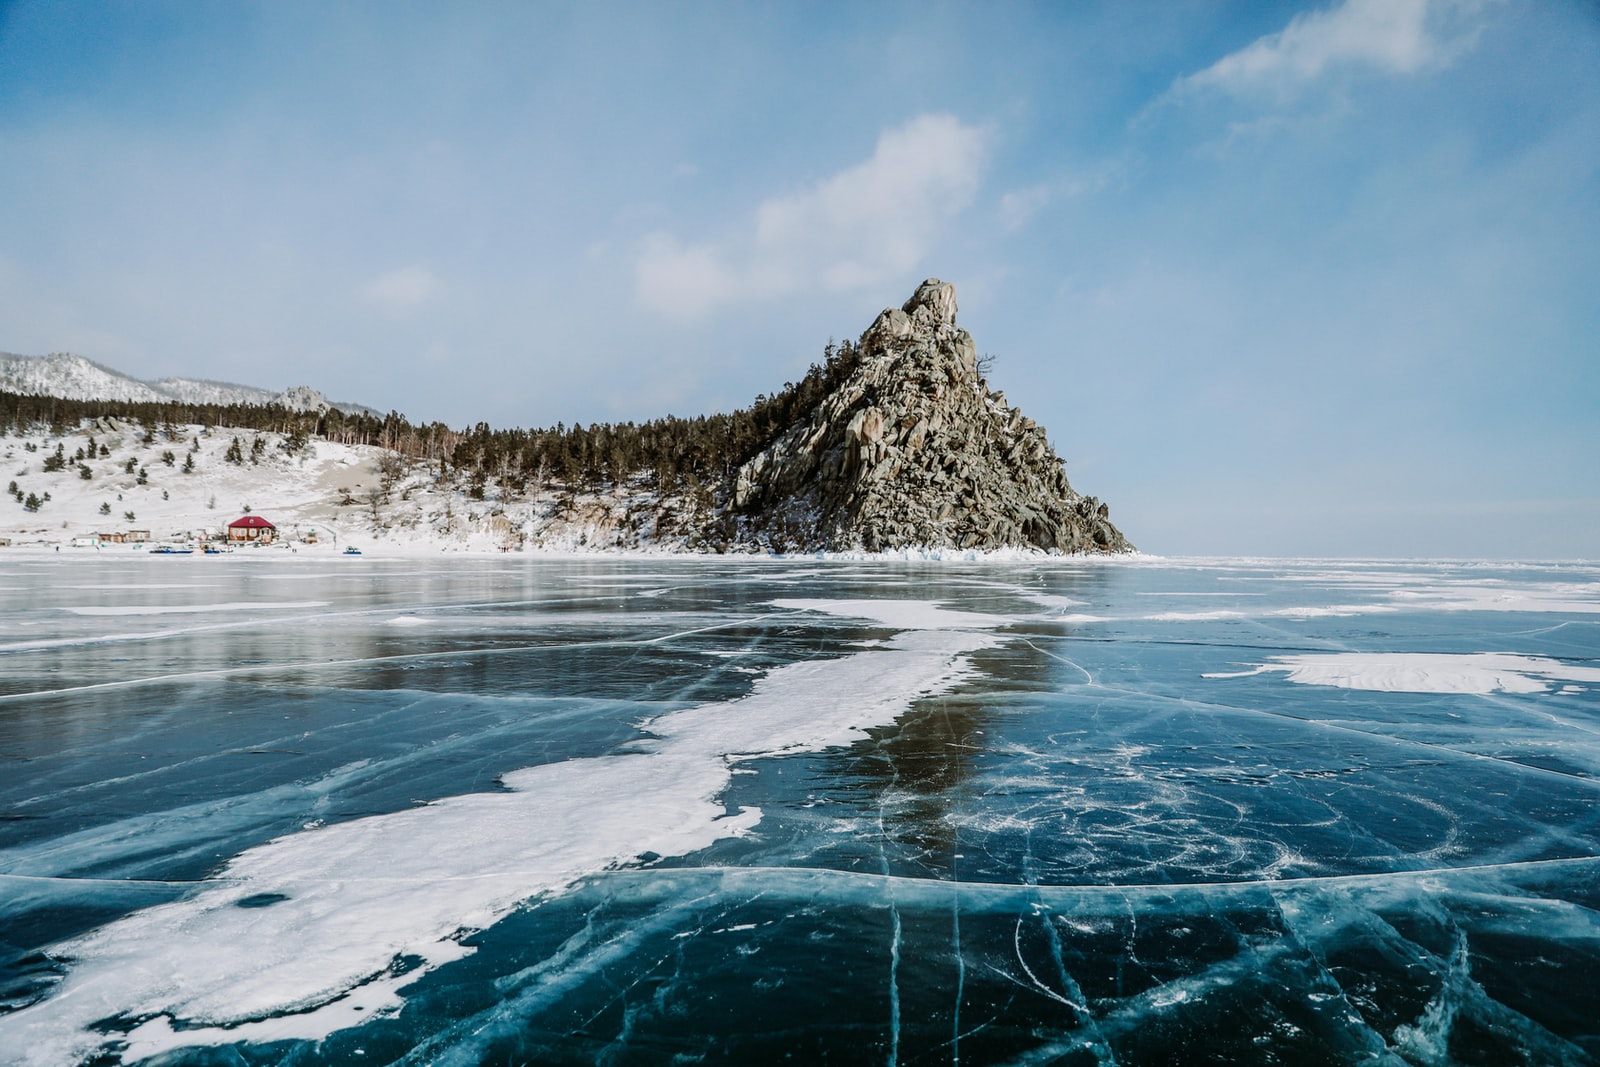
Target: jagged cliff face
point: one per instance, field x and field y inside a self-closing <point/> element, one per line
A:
<point x="913" y="449"/>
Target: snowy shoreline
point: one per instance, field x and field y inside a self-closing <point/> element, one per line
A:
<point x="80" y="491"/>
<point x="377" y="549"/>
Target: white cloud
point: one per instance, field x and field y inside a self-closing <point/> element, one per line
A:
<point x="403" y="288"/>
<point x="859" y="228"/>
<point x="1019" y="205"/>
<point x="1393" y="36"/>
<point x="683" y="282"/>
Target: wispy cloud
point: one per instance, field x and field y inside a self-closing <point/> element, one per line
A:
<point x="1390" y="36"/>
<point x="402" y="289"/>
<point x="858" y="228"/>
<point x="1019" y="205"/>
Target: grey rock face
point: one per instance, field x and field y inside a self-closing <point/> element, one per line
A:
<point x="303" y="398"/>
<point x="912" y="449"/>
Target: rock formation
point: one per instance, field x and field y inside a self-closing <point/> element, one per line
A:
<point x="303" y="398"/>
<point x="912" y="449"/>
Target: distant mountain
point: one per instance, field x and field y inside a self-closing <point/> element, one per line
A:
<point x="73" y="377"/>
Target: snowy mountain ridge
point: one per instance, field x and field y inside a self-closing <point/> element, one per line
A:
<point x="72" y="377"/>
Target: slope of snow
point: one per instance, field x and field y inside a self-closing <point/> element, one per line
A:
<point x="202" y="391"/>
<point x="72" y="378"/>
<point x="299" y="494"/>
<point x="329" y="492"/>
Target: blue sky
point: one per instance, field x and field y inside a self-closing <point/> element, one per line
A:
<point x="1278" y="278"/>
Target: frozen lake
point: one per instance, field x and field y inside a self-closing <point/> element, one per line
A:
<point x="492" y="811"/>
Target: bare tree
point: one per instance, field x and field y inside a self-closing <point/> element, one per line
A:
<point x="391" y="468"/>
<point x="375" y="498"/>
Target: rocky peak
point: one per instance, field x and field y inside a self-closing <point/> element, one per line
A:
<point x="938" y="297"/>
<point x="912" y="449"/>
<point x="303" y="398"/>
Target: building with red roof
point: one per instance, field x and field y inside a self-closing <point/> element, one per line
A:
<point x="251" y="528"/>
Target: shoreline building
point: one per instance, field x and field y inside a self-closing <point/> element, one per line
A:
<point x="252" y="528"/>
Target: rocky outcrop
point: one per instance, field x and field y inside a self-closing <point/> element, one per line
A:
<point x="303" y="398"/>
<point x="913" y="449"/>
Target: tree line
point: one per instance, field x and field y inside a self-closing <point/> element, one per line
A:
<point x="672" y="453"/>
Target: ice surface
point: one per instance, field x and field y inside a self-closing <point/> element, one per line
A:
<point x="195" y="609"/>
<point x="491" y="811"/>
<point x="350" y="899"/>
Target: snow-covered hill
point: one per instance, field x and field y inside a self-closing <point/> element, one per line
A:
<point x="73" y="377"/>
<point x="184" y="489"/>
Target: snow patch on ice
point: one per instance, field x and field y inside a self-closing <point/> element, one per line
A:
<point x="1050" y="600"/>
<point x="1331" y="611"/>
<point x="900" y="614"/>
<point x="1569" y="597"/>
<point x="927" y="554"/>
<point x="1425" y="672"/>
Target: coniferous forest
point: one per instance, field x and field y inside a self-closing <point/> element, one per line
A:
<point x="671" y="453"/>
